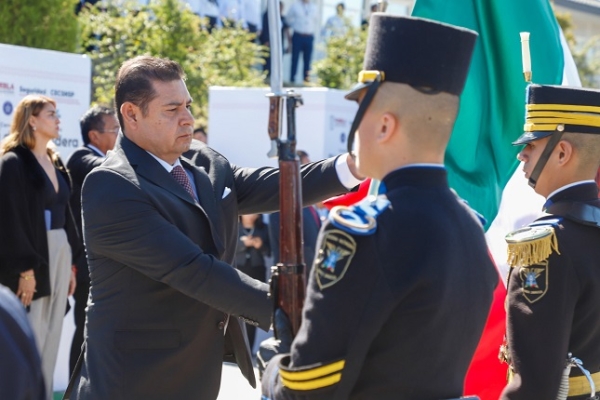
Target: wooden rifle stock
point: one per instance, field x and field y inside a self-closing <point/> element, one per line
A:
<point x="288" y="281"/>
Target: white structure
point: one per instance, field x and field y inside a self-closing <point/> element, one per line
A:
<point x="62" y="76"/>
<point x="238" y="123"/>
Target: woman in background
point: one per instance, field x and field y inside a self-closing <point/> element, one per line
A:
<point x="37" y="229"/>
<point x="253" y="246"/>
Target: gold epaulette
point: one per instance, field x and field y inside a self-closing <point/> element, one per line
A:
<point x="531" y="245"/>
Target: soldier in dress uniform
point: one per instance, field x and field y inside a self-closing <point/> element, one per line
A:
<point x="402" y="284"/>
<point x="553" y="332"/>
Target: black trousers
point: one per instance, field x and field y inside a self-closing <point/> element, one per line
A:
<point x="81" y="296"/>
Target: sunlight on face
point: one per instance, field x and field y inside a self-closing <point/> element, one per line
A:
<point x="46" y="123"/>
<point x="168" y="125"/>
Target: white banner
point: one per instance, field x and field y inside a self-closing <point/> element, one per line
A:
<point x="64" y="77"/>
<point x="238" y="124"/>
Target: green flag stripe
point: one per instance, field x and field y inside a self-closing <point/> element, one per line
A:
<point x="480" y="158"/>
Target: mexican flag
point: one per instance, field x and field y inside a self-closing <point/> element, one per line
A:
<point x="480" y="159"/>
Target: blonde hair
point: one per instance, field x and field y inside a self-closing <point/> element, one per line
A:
<point x="21" y="133"/>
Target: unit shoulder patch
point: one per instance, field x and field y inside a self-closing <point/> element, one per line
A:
<point x="334" y="257"/>
<point x="359" y="219"/>
<point x="531" y="245"/>
<point x="534" y="281"/>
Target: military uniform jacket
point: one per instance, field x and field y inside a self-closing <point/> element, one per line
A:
<point x="554" y="305"/>
<point x="162" y="284"/>
<point x="396" y="314"/>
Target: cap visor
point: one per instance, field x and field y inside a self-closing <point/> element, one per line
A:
<point x="530" y="137"/>
<point x="355" y="91"/>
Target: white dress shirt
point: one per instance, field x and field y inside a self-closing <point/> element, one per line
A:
<point x="252" y="13"/>
<point x="303" y="18"/>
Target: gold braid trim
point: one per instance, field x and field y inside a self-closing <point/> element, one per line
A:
<point x="531" y="251"/>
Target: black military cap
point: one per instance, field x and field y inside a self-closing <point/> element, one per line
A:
<point x="425" y="54"/>
<point x="570" y="109"/>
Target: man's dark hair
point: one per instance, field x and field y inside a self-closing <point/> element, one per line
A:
<point x="93" y="119"/>
<point x="301" y="153"/>
<point x="201" y="130"/>
<point x="135" y="77"/>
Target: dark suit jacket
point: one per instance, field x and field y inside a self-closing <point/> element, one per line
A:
<point x="161" y="280"/>
<point x="79" y="164"/>
<point x="310" y="232"/>
<point x="23" y="237"/>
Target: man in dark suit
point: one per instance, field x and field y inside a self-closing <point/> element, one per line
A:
<point x="20" y="365"/>
<point x="402" y="283"/>
<point x="99" y="130"/>
<point x="553" y="299"/>
<point x="165" y="303"/>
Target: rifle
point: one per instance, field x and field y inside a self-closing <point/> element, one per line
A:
<point x="288" y="278"/>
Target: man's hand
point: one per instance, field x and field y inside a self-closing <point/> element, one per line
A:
<point x="352" y="166"/>
<point x="269" y="348"/>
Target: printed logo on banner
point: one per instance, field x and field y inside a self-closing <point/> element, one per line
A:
<point x="61" y="93"/>
<point x="6" y="87"/>
<point x="62" y="141"/>
<point x="7" y="107"/>
<point x="25" y="90"/>
<point x="336" y="123"/>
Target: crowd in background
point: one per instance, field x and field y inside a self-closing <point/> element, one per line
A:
<point x="300" y="25"/>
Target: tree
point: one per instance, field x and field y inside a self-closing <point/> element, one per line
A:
<point x="48" y="24"/>
<point x="586" y="56"/>
<point x="344" y="59"/>
<point x="167" y="28"/>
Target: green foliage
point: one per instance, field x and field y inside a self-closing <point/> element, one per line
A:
<point x="587" y="57"/>
<point x="48" y="24"/>
<point x="344" y="59"/>
<point x="168" y="29"/>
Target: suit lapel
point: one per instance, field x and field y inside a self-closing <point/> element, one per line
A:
<point x="208" y="203"/>
<point x="146" y="166"/>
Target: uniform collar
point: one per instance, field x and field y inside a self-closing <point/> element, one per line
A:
<point x="417" y="175"/>
<point x="577" y="191"/>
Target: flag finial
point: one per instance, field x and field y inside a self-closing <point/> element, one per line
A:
<point x="526" y="56"/>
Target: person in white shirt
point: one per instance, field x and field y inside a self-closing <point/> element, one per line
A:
<point x="303" y="19"/>
<point x="336" y="25"/>
<point x="232" y="12"/>
<point x="253" y="15"/>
